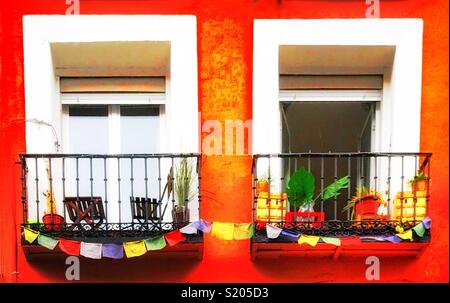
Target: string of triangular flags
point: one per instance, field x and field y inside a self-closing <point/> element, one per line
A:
<point x="274" y="232"/>
<point x="220" y="230"/>
<point x="225" y="231"/>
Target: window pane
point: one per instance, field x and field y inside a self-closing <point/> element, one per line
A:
<point x="88" y="133"/>
<point x="139" y="134"/>
<point x="88" y="111"/>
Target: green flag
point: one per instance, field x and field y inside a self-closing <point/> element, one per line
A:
<point x="155" y="243"/>
<point x="243" y="231"/>
<point x="47" y="242"/>
<point x="329" y="240"/>
<point x="419" y="229"/>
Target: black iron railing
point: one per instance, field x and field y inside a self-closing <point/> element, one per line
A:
<point x="383" y="191"/>
<point x="114" y="196"/>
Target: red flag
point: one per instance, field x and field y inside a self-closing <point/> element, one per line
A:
<point x="174" y="237"/>
<point x="350" y="241"/>
<point x="70" y="247"/>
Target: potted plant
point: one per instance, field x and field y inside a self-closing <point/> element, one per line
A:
<point x="262" y="184"/>
<point x="183" y="191"/>
<point x="419" y="182"/>
<point x="301" y="186"/>
<point x="367" y="205"/>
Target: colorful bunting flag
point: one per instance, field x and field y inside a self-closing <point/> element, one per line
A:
<point x="30" y="235"/>
<point x="290" y="233"/>
<point x="393" y="239"/>
<point x="407" y="235"/>
<point x="330" y="240"/>
<point x="426" y="222"/>
<point x="69" y="247"/>
<point x="134" y="248"/>
<point x="174" y="237"/>
<point x="224" y="231"/>
<point x="310" y="240"/>
<point x="191" y="228"/>
<point x="272" y="231"/>
<point x="113" y="251"/>
<point x="91" y="250"/>
<point x="419" y="229"/>
<point x="243" y="231"/>
<point x="155" y="243"/>
<point x="204" y="226"/>
<point x="47" y="242"/>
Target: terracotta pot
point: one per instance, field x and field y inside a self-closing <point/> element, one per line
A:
<point x="366" y="208"/>
<point x="262" y="186"/>
<point x="419" y="185"/>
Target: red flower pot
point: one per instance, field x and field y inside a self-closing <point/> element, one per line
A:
<point x="53" y="222"/>
<point x="366" y="208"/>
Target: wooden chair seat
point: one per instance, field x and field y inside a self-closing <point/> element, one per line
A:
<point x="87" y="209"/>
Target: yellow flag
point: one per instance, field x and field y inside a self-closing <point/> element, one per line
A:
<point x="407" y="235"/>
<point x="311" y="240"/>
<point x="134" y="248"/>
<point x="224" y="231"/>
<point x="243" y="231"/>
<point x="30" y="235"/>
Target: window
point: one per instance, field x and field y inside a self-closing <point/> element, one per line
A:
<point x="107" y="85"/>
<point x="338" y="98"/>
<point x="112" y="129"/>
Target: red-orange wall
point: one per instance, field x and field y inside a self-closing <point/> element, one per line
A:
<point x="225" y="47"/>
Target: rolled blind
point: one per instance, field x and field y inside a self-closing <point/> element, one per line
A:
<point x="360" y="82"/>
<point x="112" y="85"/>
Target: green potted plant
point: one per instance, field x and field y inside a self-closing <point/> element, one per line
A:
<point x="301" y="187"/>
<point x="183" y="191"/>
<point x="419" y="182"/>
<point x="366" y="203"/>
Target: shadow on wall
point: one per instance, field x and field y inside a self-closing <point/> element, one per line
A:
<point x="140" y="269"/>
<point x="290" y="269"/>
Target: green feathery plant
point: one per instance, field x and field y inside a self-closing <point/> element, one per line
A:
<point x="183" y="182"/>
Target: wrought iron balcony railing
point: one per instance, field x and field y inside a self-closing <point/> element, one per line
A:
<point x="380" y="191"/>
<point x="120" y="196"/>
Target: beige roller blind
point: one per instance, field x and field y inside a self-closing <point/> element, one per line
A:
<point x="361" y="82"/>
<point x="112" y="85"/>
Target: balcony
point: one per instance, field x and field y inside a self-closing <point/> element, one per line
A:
<point x="111" y="198"/>
<point x="358" y="198"/>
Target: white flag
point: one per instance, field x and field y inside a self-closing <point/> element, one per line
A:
<point x="272" y="231"/>
<point x="191" y="228"/>
<point x="91" y="250"/>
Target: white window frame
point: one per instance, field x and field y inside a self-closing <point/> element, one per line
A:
<point x="42" y="98"/>
<point x="42" y="94"/>
<point x="402" y="82"/>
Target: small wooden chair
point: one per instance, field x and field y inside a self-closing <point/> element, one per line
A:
<point x="144" y="209"/>
<point x="87" y="209"/>
<point x="148" y="209"/>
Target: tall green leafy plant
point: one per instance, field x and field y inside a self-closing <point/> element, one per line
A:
<point x="300" y="188"/>
<point x="183" y="182"/>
